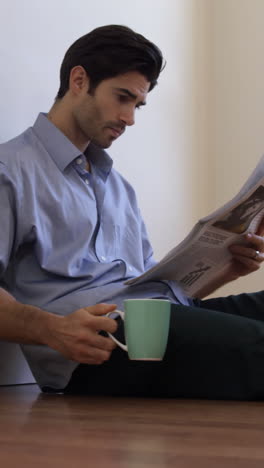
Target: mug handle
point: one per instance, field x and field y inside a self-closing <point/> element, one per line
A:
<point x="122" y="315"/>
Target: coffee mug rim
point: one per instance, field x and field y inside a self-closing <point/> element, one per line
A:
<point x="147" y="299"/>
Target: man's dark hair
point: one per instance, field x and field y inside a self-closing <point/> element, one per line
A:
<point x="109" y="51"/>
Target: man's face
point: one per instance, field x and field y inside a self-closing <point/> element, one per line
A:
<point x="102" y="117"/>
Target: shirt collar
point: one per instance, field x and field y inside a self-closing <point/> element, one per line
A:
<point x="64" y="152"/>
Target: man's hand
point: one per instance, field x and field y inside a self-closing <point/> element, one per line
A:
<point x="248" y="258"/>
<point x="76" y="335"/>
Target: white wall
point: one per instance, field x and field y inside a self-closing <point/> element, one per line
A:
<point x="165" y="154"/>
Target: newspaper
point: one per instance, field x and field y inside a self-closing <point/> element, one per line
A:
<point x="203" y="255"/>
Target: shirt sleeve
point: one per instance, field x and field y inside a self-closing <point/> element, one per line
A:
<point x="7" y="218"/>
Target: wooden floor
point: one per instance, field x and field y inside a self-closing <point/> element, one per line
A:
<point x="38" y="430"/>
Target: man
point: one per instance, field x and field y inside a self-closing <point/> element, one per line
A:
<point x="72" y="234"/>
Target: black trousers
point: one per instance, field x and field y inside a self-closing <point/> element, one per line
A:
<point x="215" y="351"/>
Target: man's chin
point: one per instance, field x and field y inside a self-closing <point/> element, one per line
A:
<point x="103" y="144"/>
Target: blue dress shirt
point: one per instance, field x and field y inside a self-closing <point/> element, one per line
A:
<point x="69" y="238"/>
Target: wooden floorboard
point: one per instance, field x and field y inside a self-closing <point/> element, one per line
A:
<point x="38" y="430"/>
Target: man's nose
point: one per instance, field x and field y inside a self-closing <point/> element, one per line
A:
<point x="128" y="117"/>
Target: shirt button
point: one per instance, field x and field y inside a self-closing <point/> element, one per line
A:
<point x="79" y="161"/>
<point x="87" y="181"/>
<point x="103" y="258"/>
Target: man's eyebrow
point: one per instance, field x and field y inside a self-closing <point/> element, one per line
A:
<point x="131" y="95"/>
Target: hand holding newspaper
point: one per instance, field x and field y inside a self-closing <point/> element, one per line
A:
<point x="204" y="254"/>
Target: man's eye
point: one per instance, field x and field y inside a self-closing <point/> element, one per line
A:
<point x="123" y="98"/>
<point x="127" y="99"/>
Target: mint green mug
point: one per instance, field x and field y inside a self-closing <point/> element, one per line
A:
<point x="146" y="324"/>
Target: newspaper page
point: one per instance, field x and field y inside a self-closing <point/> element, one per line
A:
<point x="204" y="254"/>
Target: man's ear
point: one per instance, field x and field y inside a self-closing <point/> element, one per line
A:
<point x="78" y="80"/>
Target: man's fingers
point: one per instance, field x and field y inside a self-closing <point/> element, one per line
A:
<point x="100" y="309"/>
<point x="102" y="342"/>
<point x="255" y="241"/>
<point x="97" y="322"/>
<point x="247" y="261"/>
<point x="90" y="355"/>
<point x="104" y="323"/>
<point x="255" y="245"/>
